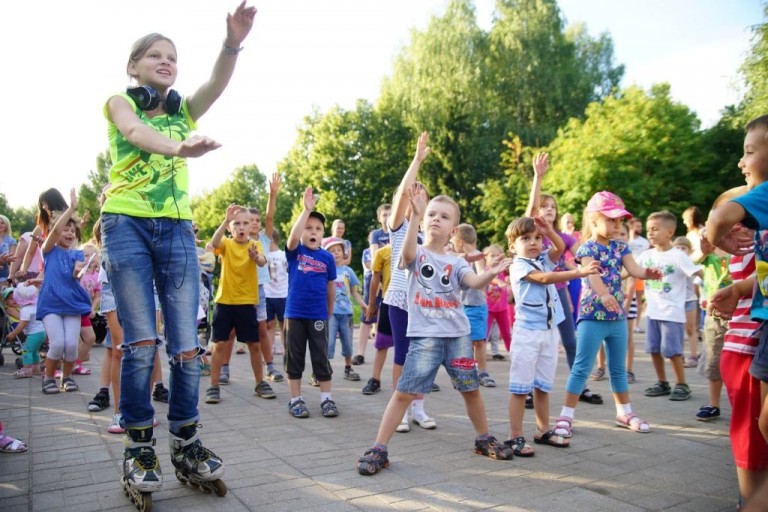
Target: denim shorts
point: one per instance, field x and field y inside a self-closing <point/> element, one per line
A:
<point x="478" y="322"/>
<point x="759" y="367"/>
<point x="664" y="337"/>
<point x="107" y="299"/>
<point x="425" y="355"/>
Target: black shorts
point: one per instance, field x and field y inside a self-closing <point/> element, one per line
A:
<point x="300" y="334"/>
<point x="240" y="317"/>
<point x="384" y="326"/>
<point x="276" y="309"/>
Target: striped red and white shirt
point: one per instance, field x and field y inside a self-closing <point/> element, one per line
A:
<point x="741" y="336"/>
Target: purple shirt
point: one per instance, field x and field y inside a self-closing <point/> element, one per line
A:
<point x="560" y="267"/>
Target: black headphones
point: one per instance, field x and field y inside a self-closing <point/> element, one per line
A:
<point x="147" y="98"/>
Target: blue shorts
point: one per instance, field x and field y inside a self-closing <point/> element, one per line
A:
<point x="691" y="305"/>
<point x="261" y="307"/>
<point x="759" y="367"/>
<point x="276" y="309"/>
<point x="664" y="337"/>
<point x="478" y="322"/>
<point x="107" y="299"/>
<point x="425" y="355"/>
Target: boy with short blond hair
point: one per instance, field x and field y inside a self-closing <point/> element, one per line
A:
<point x="665" y="304"/>
<point x="437" y="326"/>
<point x="236" y="299"/>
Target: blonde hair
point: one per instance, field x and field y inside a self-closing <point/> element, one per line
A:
<point x="141" y="46"/>
<point x="664" y="216"/>
<point x="447" y="200"/>
<point x="488" y="249"/>
<point x="9" y="230"/>
<point x="681" y="240"/>
<point x="466" y="233"/>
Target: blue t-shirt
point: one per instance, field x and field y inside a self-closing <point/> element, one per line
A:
<point x="367" y="260"/>
<point x="610" y="258"/>
<point x="308" y="274"/>
<point x="537" y="306"/>
<point x="345" y="281"/>
<point x="5" y="246"/>
<point x="61" y="292"/>
<point x="380" y="237"/>
<point x="755" y="203"/>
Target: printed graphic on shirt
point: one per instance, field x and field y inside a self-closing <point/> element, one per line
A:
<point x="434" y="286"/>
<point x="309" y="264"/>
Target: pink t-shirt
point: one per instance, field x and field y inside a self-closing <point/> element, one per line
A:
<point x="90" y="281"/>
<point x="496" y="293"/>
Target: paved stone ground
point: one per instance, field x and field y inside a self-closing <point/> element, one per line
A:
<point x="275" y="462"/>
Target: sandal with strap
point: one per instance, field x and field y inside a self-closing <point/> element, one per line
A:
<point x="551" y="439"/>
<point x="10" y="444"/>
<point x="520" y="447"/>
<point x="634" y="423"/>
<point x="50" y="387"/>
<point x="563" y="426"/>
<point x="491" y="448"/>
<point x="69" y="385"/>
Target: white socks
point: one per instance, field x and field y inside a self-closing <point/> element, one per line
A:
<point x="623" y="409"/>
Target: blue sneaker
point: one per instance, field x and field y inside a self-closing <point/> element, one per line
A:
<point x="298" y="409"/>
<point x="708" y="413"/>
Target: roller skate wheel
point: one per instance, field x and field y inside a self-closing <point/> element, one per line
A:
<point x="220" y="488"/>
<point x="145" y="502"/>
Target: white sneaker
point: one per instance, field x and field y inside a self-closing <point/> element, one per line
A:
<point x="114" y="427"/>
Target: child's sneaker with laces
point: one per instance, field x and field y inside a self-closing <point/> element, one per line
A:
<point x="373" y="386"/>
<point x="708" y="413"/>
<point x="350" y="374"/>
<point x="372" y="461"/>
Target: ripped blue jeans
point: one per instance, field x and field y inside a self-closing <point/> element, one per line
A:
<point x="140" y="254"/>
<point x="426" y="355"/>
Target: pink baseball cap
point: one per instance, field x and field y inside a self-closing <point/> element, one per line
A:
<point x="331" y="241"/>
<point x="609" y="204"/>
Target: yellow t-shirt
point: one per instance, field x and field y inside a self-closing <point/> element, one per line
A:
<point x="239" y="283"/>
<point x="381" y="263"/>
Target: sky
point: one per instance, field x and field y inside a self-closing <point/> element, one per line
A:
<point x="63" y="60"/>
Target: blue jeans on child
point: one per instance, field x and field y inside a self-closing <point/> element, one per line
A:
<point x="139" y="252"/>
<point x="339" y="324"/>
<point x="589" y="337"/>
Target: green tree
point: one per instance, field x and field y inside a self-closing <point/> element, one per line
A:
<point x="246" y="187"/>
<point x="754" y="69"/>
<point x="640" y="145"/>
<point x="88" y="195"/>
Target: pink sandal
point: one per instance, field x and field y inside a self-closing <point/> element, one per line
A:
<point x="634" y="423"/>
<point x="563" y="426"/>
<point x="79" y="369"/>
<point x="10" y="444"/>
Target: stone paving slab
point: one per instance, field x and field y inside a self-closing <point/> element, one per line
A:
<point x="275" y="462"/>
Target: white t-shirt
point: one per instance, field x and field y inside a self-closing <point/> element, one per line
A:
<point x="638" y="246"/>
<point x="28" y="314"/>
<point x="277" y="285"/>
<point x="665" y="299"/>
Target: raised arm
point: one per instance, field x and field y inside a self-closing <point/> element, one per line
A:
<point x="274" y="188"/>
<point x="417" y="197"/>
<point x="558" y="245"/>
<point x="540" y="167"/>
<point x="58" y="227"/>
<point x="239" y="24"/>
<point x="400" y="200"/>
<point x="295" y="236"/>
<point x="232" y="210"/>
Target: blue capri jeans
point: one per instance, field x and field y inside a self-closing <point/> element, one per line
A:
<point x="137" y="253"/>
<point x="589" y="337"/>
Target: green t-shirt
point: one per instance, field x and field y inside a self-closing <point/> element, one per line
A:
<point x="145" y="184"/>
<point x="715" y="274"/>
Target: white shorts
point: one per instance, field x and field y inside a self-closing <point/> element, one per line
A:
<point x="533" y="356"/>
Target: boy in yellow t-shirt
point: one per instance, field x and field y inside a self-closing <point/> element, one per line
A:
<point x="236" y="299"/>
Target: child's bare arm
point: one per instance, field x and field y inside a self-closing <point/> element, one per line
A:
<point x="418" y="201"/>
<point x="232" y="210"/>
<point x="540" y="167"/>
<point x="18" y="330"/>
<point x="558" y="245"/>
<point x="720" y="230"/>
<point x="358" y="298"/>
<point x="50" y="242"/>
<point x="540" y="277"/>
<point x="373" y="293"/>
<point x="480" y="281"/>
<point x="400" y="200"/>
<point x="274" y="188"/>
<point x="635" y="270"/>
<point x="309" y="205"/>
<point x="331" y="297"/>
<point x="597" y="285"/>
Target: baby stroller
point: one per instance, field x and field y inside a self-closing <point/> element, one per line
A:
<point x="6" y="326"/>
